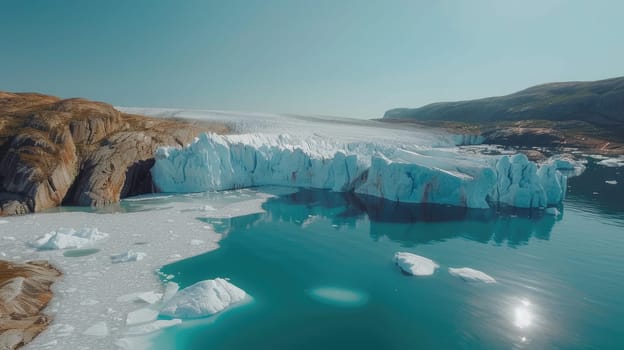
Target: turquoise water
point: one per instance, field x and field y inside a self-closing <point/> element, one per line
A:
<point x="319" y="268"/>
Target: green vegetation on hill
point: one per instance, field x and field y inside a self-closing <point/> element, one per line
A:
<point x="578" y="109"/>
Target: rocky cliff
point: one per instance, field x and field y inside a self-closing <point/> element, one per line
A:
<point x="78" y="152"/>
<point x="24" y="293"/>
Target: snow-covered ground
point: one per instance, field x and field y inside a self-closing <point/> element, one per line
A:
<point x="96" y="301"/>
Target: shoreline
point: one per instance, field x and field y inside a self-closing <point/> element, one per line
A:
<point x="91" y="303"/>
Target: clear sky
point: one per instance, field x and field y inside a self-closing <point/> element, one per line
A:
<point x="353" y="58"/>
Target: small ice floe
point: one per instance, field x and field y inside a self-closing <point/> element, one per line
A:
<point x="152" y="326"/>
<point x="61" y="329"/>
<point x="611" y="182"/>
<point x="203" y="299"/>
<point x="197" y="242"/>
<point x="130" y="255"/>
<point x="339" y="296"/>
<point x="415" y="264"/>
<point x="64" y="238"/>
<point x="99" y="329"/>
<point x="146" y="297"/>
<point x="4" y="222"/>
<point x="552" y="211"/>
<point x="612" y="162"/>
<point x="568" y="164"/>
<point x="471" y="275"/>
<point x="89" y="302"/>
<point x="141" y="316"/>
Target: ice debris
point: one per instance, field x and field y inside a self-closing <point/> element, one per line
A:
<point x="203" y="299"/>
<point x="552" y="211"/>
<point x="99" y="329"/>
<point x="612" y="162"/>
<point x="415" y="264"/>
<point x="611" y="182"/>
<point x="152" y="326"/>
<point x="141" y="316"/>
<point x="471" y="275"/>
<point x="130" y="255"/>
<point x="64" y="238"/>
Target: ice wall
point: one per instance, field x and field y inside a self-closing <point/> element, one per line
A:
<point x="410" y="174"/>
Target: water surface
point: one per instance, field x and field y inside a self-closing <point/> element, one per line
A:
<point x="319" y="268"/>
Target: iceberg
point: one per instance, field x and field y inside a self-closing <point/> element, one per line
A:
<point x="68" y="238"/>
<point x="204" y="298"/>
<point x="402" y="173"/>
<point x="415" y="264"/>
<point x="471" y="275"/>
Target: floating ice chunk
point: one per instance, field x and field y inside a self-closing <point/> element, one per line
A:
<point x="471" y="275"/>
<point x="68" y="238"/>
<point x="597" y="156"/>
<point x="612" y="162"/>
<point x="141" y="316"/>
<point x="204" y="298"/>
<point x="130" y="255"/>
<point x="339" y="296"/>
<point x="99" y="329"/>
<point x="147" y="297"/>
<point x="415" y="264"/>
<point x="150" y="297"/>
<point x="152" y="326"/>
<point x="552" y="211"/>
<point x="611" y="182"/>
<point x="4" y="222"/>
<point x="567" y="164"/>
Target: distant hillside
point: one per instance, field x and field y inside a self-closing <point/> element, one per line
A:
<point x="598" y="102"/>
<point x="587" y="115"/>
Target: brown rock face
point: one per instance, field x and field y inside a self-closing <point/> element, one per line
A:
<point x="24" y="292"/>
<point x="78" y="152"/>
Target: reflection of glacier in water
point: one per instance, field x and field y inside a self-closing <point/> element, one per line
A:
<point x="512" y="225"/>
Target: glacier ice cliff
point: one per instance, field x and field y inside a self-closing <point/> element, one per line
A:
<point x="406" y="173"/>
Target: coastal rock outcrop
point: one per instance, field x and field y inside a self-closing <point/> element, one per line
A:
<point x="24" y="292"/>
<point x="78" y="152"/>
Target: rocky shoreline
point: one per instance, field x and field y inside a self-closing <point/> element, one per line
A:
<point x="25" y="290"/>
<point x="530" y="134"/>
<point x="79" y="152"/>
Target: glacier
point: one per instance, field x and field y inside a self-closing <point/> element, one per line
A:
<point x="398" y="171"/>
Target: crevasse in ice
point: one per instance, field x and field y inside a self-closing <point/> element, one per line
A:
<point x="404" y="174"/>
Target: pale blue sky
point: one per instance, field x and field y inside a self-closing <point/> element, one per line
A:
<point x="333" y="57"/>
